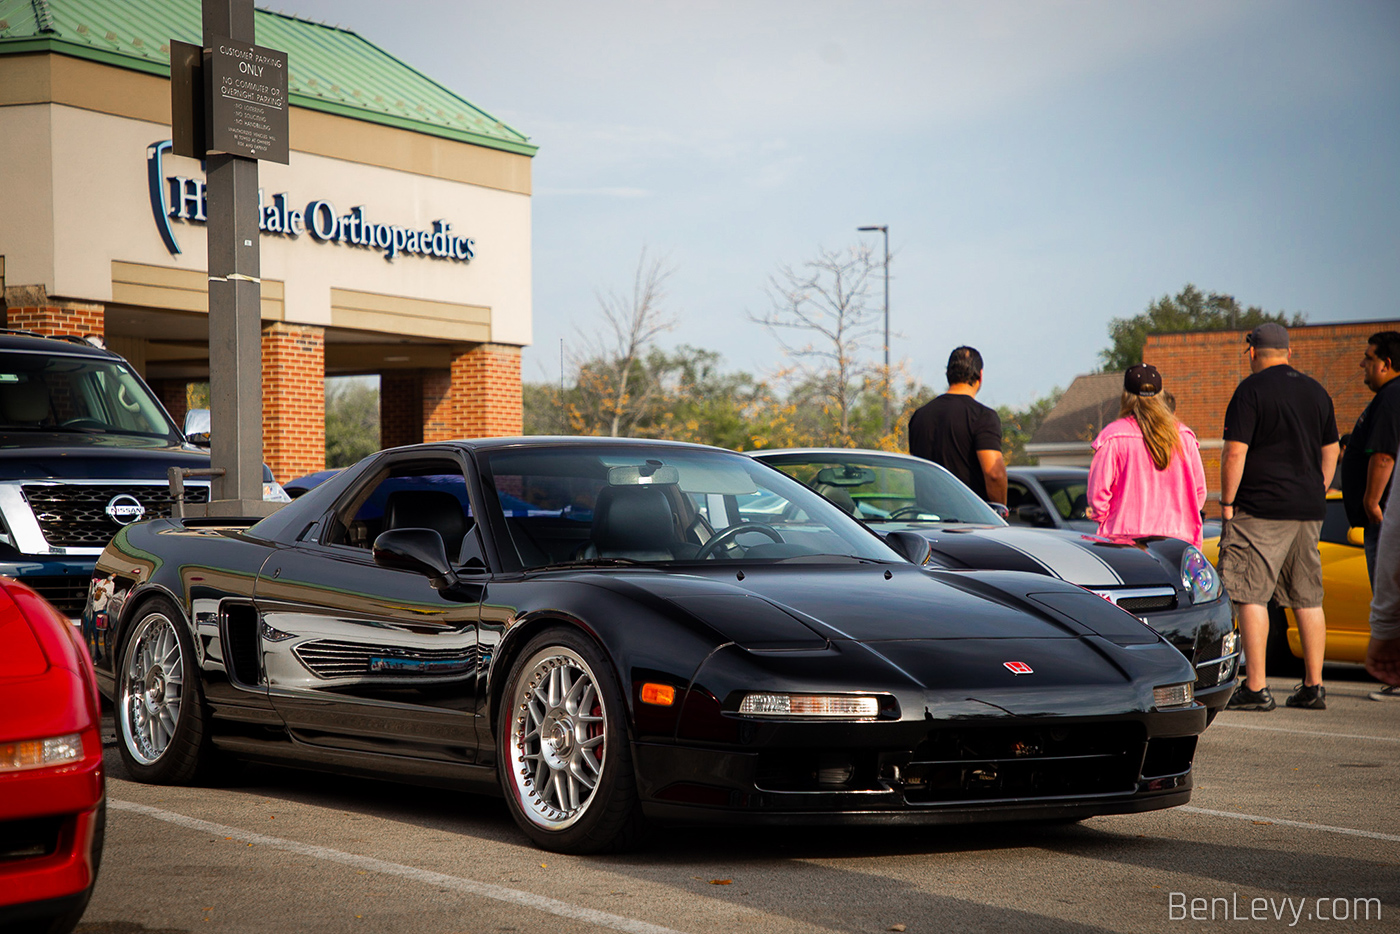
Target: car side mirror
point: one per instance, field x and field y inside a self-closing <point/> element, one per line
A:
<point x="1001" y="511"/>
<point x="1033" y="515"/>
<point x="197" y="427"/>
<point x="1356" y="536"/>
<point x="417" y="550"/>
<point x="912" y="546"/>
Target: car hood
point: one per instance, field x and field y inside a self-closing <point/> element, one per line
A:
<point x="1078" y="557"/>
<point x="806" y="606"/>
<point x="42" y="455"/>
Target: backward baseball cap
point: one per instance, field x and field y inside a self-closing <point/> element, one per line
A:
<point x="1269" y="336"/>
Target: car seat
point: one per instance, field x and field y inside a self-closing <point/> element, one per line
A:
<point x="841" y="497"/>
<point x="24" y="403"/>
<point x="428" y="509"/>
<point x="634" y="522"/>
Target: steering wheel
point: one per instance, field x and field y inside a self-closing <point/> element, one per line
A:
<point x="907" y="511"/>
<point x="727" y="537"/>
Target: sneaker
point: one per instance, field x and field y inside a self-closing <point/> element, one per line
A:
<point x="1245" y="699"/>
<point x="1390" y="693"/>
<point x="1309" y="697"/>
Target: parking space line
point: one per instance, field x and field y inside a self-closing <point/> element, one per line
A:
<point x="1282" y="822"/>
<point x="1284" y="729"/>
<point x="499" y="893"/>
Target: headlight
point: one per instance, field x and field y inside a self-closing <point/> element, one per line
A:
<point x="839" y="706"/>
<point x="40" y="753"/>
<point x="1198" y="578"/>
<point x="1173" y="695"/>
<point x="273" y="492"/>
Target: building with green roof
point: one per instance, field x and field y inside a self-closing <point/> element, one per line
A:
<point x="396" y="241"/>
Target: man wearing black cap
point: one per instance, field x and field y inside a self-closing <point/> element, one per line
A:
<point x="1280" y="451"/>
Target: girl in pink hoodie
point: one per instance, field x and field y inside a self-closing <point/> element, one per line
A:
<point x="1146" y="477"/>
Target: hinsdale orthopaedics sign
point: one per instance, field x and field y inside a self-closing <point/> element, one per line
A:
<point x="183" y="197"/>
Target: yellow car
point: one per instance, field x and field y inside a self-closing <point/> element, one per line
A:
<point x="1347" y="599"/>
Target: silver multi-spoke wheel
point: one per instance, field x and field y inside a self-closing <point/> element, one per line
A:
<point x="152" y="689"/>
<point x="558" y="732"/>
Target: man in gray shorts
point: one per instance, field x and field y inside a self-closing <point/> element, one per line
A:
<point x="1280" y="452"/>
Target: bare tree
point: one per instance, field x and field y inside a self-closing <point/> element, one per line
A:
<point x="614" y="384"/>
<point x="821" y="317"/>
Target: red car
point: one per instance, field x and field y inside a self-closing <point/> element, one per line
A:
<point x="52" y="798"/>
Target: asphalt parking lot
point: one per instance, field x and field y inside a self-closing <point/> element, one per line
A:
<point x="1295" y="824"/>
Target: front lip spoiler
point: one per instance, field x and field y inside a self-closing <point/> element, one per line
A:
<point x="999" y="812"/>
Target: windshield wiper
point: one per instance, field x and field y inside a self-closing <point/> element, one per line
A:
<point x="824" y="558"/>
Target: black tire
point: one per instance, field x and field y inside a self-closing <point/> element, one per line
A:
<point x="544" y="777"/>
<point x="1278" y="657"/>
<point x="162" y="723"/>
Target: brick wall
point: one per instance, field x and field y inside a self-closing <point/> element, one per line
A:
<point x="51" y="316"/>
<point x="294" y="399"/>
<point x="1202" y="370"/>
<point x="400" y="408"/>
<point x="174" y="394"/>
<point x="478" y="397"/>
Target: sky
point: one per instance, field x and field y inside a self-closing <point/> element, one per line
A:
<point x="1043" y="167"/>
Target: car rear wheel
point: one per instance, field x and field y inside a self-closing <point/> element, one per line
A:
<point x="161" y="721"/>
<point x="565" y="759"/>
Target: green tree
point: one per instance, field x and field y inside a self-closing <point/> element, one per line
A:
<point x="352" y="421"/>
<point x="1018" y="425"/>
<point x="1188" y="310"/>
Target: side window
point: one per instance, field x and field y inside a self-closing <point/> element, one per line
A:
<point x="408" y="495"/>
<point x="1017" y="494"/>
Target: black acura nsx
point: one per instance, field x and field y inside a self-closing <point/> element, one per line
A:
<point x="1165" y="582"/>
<point x="616" y="633"/>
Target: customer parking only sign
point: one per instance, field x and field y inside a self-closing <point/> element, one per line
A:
<point x="248" y="100"/>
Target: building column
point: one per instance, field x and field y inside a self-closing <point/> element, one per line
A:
<point x="486" y="392"/>
<point x="479" y="396"/>
<point x="29" y="308"/>
<point x="294" y="399"/>
<point x="400" y="408"/>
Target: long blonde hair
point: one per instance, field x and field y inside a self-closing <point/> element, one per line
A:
<point x="1157" y="423"/>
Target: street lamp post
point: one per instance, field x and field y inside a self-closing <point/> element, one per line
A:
<point x="884" y="229"/>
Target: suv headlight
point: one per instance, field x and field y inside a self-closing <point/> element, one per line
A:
<point x="1198" y="578"/>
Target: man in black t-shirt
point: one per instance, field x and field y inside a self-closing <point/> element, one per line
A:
<point x="1280" y="451"/>
<point x="1369" y="460"/>
<point x="960" y="433"/>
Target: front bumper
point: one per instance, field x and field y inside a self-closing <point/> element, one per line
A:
<point x="1196" y="632"/>
<point x="922" y="772"/>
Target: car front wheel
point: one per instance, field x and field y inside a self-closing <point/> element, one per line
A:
<point x="160" y="714"/>
<point x="565" y="760"/>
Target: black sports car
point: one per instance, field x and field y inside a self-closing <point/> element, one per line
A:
<point x="1166" y="582"/>
<point x="612" y="632"/>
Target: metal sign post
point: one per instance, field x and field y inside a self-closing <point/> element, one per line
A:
<point x="240" y="105"/>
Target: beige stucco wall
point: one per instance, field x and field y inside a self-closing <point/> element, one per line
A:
<point x="74" y="198"/>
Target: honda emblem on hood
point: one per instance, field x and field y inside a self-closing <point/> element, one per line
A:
<point x="1018" y="668"/>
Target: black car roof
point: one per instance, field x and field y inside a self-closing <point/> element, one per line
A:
<point x="34" y="343"/>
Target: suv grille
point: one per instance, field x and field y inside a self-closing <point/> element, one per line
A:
<point x="68" y="594"/>
<point x="74" y="515"/>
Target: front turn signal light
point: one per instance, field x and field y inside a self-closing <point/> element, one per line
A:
<point x="40" y="753"/>
<point x="662" y="695"/>
<point x="838" y="706"/>
<point x="1173" y="695"/>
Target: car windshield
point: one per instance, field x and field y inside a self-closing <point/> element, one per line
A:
<point x="878" y="488"/>
<point x="619" y="504"/>
<point x="55" y="392"/>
